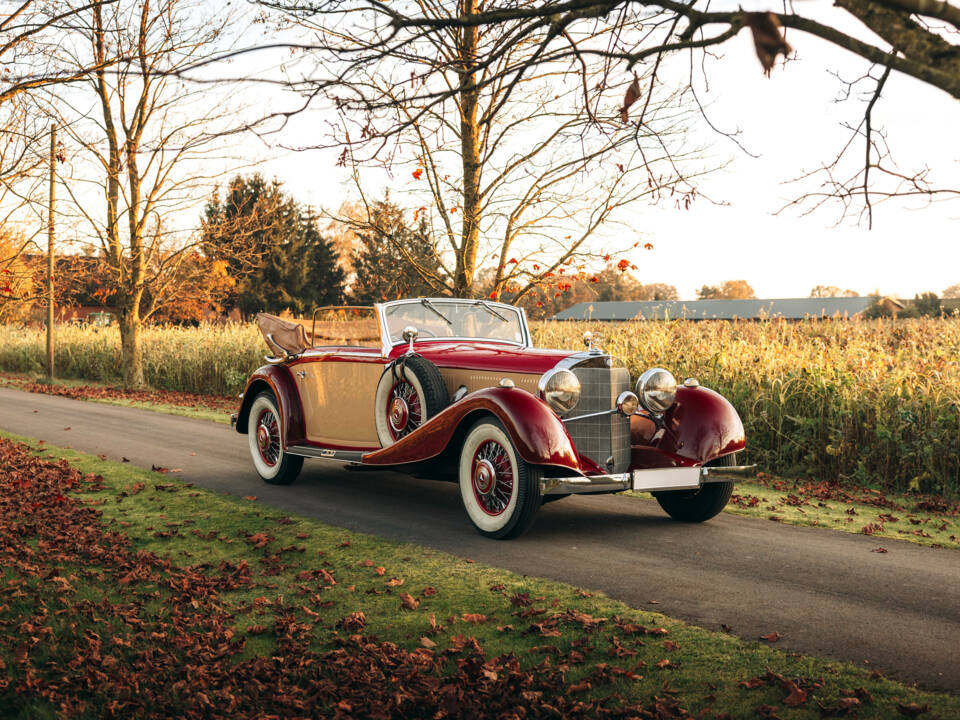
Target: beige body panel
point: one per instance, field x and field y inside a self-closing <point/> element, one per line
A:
<point x="479" y="379"/>
<point x="338" y="398"/>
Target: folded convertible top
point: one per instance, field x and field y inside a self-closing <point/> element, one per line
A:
<point x="282" y="335"/>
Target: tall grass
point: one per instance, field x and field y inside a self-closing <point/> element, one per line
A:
<point x="873" y="402"/>
<point x="210" y="359"/>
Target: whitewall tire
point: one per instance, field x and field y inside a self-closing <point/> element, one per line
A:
<point x="499" y="490"/>
<point x="265" y="438"/>
<point x="408" y="394"/>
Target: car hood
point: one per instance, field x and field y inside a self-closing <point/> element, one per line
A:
<point x="497" y="357"/>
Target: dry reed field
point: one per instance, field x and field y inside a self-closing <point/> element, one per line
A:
<point x="875" y="403"/>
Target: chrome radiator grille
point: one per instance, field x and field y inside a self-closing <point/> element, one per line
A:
<point x="607" y="436"/>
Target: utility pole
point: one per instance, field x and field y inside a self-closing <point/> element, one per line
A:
<point x="53" y="171"/>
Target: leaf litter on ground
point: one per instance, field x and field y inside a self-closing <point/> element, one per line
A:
<point x="102" y="622"/>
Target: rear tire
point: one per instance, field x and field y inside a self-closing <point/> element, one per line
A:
<point x="265" y="437"/>
<point x="696" y="506"/>
<point x="500" y="491"/>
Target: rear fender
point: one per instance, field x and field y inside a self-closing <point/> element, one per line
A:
<point x="701" y="425"/>
<point x="279" y="381"/>
<point x="537" y="433"/>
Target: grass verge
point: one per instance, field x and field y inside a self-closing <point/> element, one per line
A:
<point x="204" y="407"/>
<point x="922" y="519"/>
<point x="926" y="520"/>
<point x="125" y="592"/>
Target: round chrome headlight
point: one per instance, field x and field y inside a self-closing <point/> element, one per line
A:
<point x="657" y="389"/>
<point x="627" y="403"/>
<point x="561" y="389"/>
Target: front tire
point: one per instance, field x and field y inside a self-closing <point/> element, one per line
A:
<point x="500" y="491"/>
<point x="264" y="435"/>
<point x="696" y="506"/>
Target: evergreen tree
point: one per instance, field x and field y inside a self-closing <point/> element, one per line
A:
<point x="927" y="304"/>
<point x="288" y="265"/>
<point x="385" y="264"/>
<point x="320" y="278"/>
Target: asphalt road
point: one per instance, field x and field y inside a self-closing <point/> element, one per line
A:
<point x="825" y="592"/>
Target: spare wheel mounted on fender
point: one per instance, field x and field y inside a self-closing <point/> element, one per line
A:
<point x="410" y="392"/>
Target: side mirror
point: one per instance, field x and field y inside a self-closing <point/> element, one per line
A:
<point x="410" y="334"/>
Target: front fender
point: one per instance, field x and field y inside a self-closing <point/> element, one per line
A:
<point x="279" y="381"/>
<point x="701" y="425"/>
<point x="537" y="433"/>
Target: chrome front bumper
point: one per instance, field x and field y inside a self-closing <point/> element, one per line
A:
<point x="651" y="480"/>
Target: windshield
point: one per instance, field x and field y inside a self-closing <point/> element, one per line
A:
<point x="441" y="318"/>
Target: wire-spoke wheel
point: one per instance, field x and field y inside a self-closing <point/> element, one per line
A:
<point x="268" y="437"/>
<point x="500" y="491"/>
<point x="409" y="393"/>
<point x="404" y="409"/>
<point x="265" y="438"/>
<point x="492" y="477"/>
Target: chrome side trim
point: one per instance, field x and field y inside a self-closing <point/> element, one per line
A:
<point x="326" y="453"/>
<point x="648" y="480"/>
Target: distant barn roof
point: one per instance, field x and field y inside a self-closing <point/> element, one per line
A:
<point x="787" y="308"/>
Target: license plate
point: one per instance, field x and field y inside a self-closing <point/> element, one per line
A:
<point x="666" y="479"/>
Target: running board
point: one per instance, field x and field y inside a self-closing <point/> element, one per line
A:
<point x="326" y="453"/>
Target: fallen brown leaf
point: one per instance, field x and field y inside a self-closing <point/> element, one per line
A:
<point x="408" y="601"/>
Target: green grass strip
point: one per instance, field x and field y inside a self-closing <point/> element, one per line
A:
<point x="501" y="610"/>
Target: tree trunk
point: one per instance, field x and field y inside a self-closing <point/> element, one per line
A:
<point x="131" y="350"/>
<point x="470" y="156"/>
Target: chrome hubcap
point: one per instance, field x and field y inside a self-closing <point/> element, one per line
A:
<point x="485" y="477"/>
<point x="263" y="438"/>
<point x="399" y="414"/>
<point x="404" y="410"/>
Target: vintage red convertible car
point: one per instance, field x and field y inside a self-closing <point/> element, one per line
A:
<point x="453" y="389"/>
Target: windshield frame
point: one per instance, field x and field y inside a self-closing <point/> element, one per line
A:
<point x="388" y="344"/>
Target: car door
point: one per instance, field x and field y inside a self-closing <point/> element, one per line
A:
<point x="337" y="390"/>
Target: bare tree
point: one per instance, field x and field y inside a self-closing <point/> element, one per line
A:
<point x="917" y="38"/>
<point x="521" y="171"/>
<point x="148" y="147"/>
<point x="29" y="34"/>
